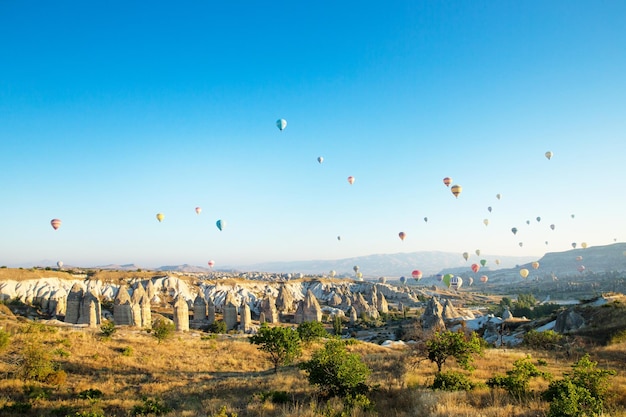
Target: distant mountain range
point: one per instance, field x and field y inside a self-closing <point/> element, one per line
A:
<point x="597" y="259"/>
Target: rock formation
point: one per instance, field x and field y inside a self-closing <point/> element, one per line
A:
<point x="308" y="309"/>
<point x="269" y="310"/>
<point x="74" y="299"/>
<point x="122" y="312"/>
<point x="246" y="318"/>
<point x="285" y="301"/>
<point x="567" y="321"/>
<point x="230" y="312"/>
<point x="181" y="314"/>
<point x="432" y="318"/>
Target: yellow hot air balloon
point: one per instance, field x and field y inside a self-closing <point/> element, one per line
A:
<point x="456" y="190"/>
<point x="523" y="272"/>
<point x="549" y="155"/>
<point x="486" y="222"/>
<point x="160" y="217"/>
<point x="497" y="261"/>
<point x="535" y="265"/>
<point x="584" y="245"/>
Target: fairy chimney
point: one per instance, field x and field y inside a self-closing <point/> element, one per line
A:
<point x="122" y="312"/>
<point x="181" y="314"/>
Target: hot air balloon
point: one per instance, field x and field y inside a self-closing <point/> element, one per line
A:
<point x="60" y="264"/>
<point x="456" y="190"/>
<point x="486" y="222"/>
<point x="439" y="277"/>
<point x="456" y="283"/>
<point x="579" y="258"/>
<point x="523" y="272"/>
<point x="528" y="222"/>
<point x="320" y="159"/>
<point x="56" y="223"/>
<point x="583" y="245"/>
<point x="475" y="268"/>
<point x="220" y="224"/>
<point x="546" y="242"/>
<point x="447" y="181"/>
<point x="470" y="281"/>
<point x="382" y="280"/>
<point x="446" y="279"/>
<point x="484" y="279"/>
<point x="160" y="217"/>
<point x="538" y="219"/>
<point x="574" y="245"/>
<point x="416" y="274"/>
<point x="552" y="226"/>
<point x="281" y="124"/>
<point x="483" y="262"/>
<point x="351" y="179"/>
<point x="425" y="219"/>
<point x="355" y="268"/>
<point x="403" y="280"/>
<point x="465" y="255"/>
<point x="535" y="265"/>
<point x="402" y="235"/>
<point x="548" y="155"/>
<point x="489" y="209"/>
<point x="332" y="273"/>
<point x="211" y="263"/>
<point x="498" y="196"/>
<point x="521" y="244"/>
<point x="477" y="252"/>
<point x="198" y="210"/>
<point x="514" y="230"/>
<point x="573" y="216"/>
<point x="497" y="261"/>
<point x="581" y="268"/>
<point x="338" y="237"/>
<point x="359" y="276"/>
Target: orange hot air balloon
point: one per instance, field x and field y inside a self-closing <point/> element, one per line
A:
<point x="416" y="274"/>
<point x="402" y="235"/>
<point x="447" y="181"/>
<point x="484" y="279"/>
<point x="456" y="190"/>
<point x="475" y="267"/>
<point x="56" y="223"/>
<point x="351" y="179"/>
<point x="198" y="210"/>
<point x="160" y="217"/>
<point x="535" y="265"/>
<point x="523" y="272"/>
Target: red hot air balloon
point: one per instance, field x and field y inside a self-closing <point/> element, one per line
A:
<point x="211" y="263"/>
<point x="475" y="267"/>
<point x="56" y="223"/>
<point x="402" y="235"/>
<point x="417" y="274"/>
<point x="447" y="181"/>
<point x="198" y="210"/>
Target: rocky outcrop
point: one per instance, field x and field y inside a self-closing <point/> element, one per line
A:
<point x="269" y="310"/>
<point x="308" y="309"/>
<point x="210" y="311"/>
<point x="230" y="312"/>
<point x="85" y="309"/>
<point x="181" y="314"/>
<point x="74" y="299"/>
<point x="246" y="317"/>
<point x="449" y="312"/>
<point x="567" y="321"/>
<point x="122" y="311"/>
<point x="382" y="306"/>
<point x="363" y="307"/>
<point x="432" y="318"/>
<point x="285" y="300"/>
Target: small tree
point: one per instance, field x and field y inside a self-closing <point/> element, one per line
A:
<point x="311" y="330"/>
<point x="162" y="330"/>
<point x="337" y="325"/>
<point x="517" y="381"/>
<point x="107" y="328"/>
<point x="282" y="344"/>
<point x="336" y="372"/>
<point x="453" y="344"/>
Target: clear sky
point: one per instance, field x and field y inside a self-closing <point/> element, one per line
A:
<point x="112" y="112"/>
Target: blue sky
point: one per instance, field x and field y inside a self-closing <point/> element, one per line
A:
<point x="112" y="112"/>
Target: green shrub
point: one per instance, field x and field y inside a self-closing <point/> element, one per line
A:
<point x="337" y="325"/>
<point x="618" y="337"/>
<point x="35" y="364"/>
<point x="162" y="330"/>
<point x="276" y="397"/>
<point x="5" y="339"/>
<point x="35" y="392"/>
<point x="452" y="381"/>
<point x="218" y="326"/>
<point x="90" y="394"/>
<point x="336" y="372"/>
<point x="548" y="340"/>
<point x="150" y="407"/>
<point x="517" y="381"/>
<point x="61" y="352"/>
<point x="107" y="329"/>
<point x="127" y="351"/>
<point x="310" y="331"/>
<point x="569" y="400"/>
<point x="282" y="344"/>
<point x="223" y="413"/>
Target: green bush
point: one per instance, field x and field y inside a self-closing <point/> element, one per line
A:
<point x="310" y="331"/>
<point x="90" y="394"/>
<point x="282" y="344"/>
<point x="276" y="397"/>
<point x="336" y="372"/>
<point x="223" y="413"/>
<point x="517" y="381"/>
<point x="4" y="339"/>
<point x="569" y="400"/>
<point x="548" y="340"/>
<point x="162" y="330"/>
<point x="35" y="364"/>
<point x="337" y="325"/>
<point x="218" y="326"/>
<point x="150" y="407"/>
<point x="107" y="329"/>
<point x="452" y="381"/>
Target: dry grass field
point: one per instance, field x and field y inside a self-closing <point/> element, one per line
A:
<point x="198" y="374"/>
